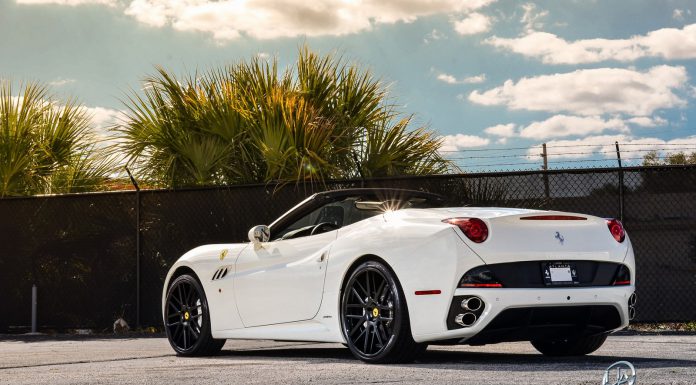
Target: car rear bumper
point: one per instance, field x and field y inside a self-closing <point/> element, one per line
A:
<point x="525" y="314"/>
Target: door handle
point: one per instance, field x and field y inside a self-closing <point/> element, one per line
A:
<point x="322" y="258"/>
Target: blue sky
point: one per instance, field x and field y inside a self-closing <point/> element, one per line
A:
<point x="485" y="74"/>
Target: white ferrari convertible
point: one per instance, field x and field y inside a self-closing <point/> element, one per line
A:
<point x="387" y="272"/>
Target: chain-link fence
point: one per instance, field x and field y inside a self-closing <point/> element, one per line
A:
<point x="81" y="250"/>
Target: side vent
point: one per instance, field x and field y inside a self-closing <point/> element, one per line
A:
<point x="220" y="273"/>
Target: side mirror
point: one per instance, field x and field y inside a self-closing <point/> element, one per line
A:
<point x="259" y="234"/>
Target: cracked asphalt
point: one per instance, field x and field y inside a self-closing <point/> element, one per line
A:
<point x="659" y="359"/>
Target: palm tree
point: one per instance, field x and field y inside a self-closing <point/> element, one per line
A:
<point x="250" y="122"/>
<point x="45" y="145"/>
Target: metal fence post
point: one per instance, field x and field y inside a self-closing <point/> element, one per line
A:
<point x="545" y="167"/>
<point x="621" y="183"/>
<point x="137" y="248"/>
<point x="34" y="303"/>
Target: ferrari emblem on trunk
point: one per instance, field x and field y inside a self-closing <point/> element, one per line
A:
<point x="559" y="237"/>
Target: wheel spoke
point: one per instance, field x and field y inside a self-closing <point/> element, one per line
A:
<point x="185" y="337"/>
<point x="367" y="280"/>
<point x="378" y="292"/>
<point x="189" y="295"/>
<point x="356" y="327"/>
<point x="181" y="295"/>
<point x="383" y="332"/>
<point x="361" y="288"/>
<point x="376" y="334"/>
<point x="177" y="333"/>
<point x="367" y="335"/>
<point x="355" y="292"/>
<point x="178" y="302"/>
<point x="193" y="331"/>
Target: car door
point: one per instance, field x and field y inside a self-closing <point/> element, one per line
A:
<point x="282" y="280"/>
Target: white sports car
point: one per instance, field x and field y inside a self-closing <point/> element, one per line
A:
<point x="387" y="272"/>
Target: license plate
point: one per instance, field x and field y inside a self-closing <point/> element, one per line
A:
<point x="559" y="273"/>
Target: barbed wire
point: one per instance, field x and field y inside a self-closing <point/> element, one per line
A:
<point x="567" y="146"/>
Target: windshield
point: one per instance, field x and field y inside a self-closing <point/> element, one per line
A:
<point x="349" y="210"/>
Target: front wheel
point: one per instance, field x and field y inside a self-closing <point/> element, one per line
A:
<point x="187" y="319"/>
<point x="374" y="317"/>
<point x="578" y="346"/>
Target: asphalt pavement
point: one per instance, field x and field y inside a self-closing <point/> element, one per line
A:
<point x="659" y="359"/>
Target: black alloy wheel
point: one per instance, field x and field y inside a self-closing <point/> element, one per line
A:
<point x="187" y="319"/>
<point x="374" y="317"/>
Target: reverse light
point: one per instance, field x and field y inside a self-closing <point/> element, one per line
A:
<point x="474" y="228"/>
<point x="479" y="277"/>
<point x="622" y="277"/>
<point x="616" y="229"/>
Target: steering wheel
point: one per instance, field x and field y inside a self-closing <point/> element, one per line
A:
<point x="323" y="227"/>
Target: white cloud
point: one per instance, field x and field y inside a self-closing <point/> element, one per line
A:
<point x="61" y="82"/>
<point x="434" y="35"/>
<point x="678" y="14"/>
<point x="502" y="130"/>
<point x="474" y="23"/>
<point x="563" y="125"/>
<point x="102" y="117"/>
<point x="462" y="141"/>
<point x="268" y="19"/>
<point x="647" y="121"/>
<point x="72" y="3"/>
<point x="102" y="120"/>
<point x="450" y="79"/>
<point x="592" y="91"/>
<point x="666" y="43"/>
<point x="531" y="18"/>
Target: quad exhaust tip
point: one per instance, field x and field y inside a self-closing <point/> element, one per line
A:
<point x="466" y="319"/>
<point x="472" y="304"/>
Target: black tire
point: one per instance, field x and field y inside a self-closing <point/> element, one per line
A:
<point x="187" y="319"/>
<point x="374" y="317"/>
<point x="578" y="346"/>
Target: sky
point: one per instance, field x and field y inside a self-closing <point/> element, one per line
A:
<point x="495" y="79"/>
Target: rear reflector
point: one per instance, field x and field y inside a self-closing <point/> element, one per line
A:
<point x="427" y="292"/>
<point x="553" y="218"/>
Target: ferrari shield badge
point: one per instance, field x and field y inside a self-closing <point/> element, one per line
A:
<point x="223" y="254"/>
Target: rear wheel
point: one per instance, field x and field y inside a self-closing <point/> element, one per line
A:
<point x="577" y="346"/>
<point x="187" y="319"/>
<point x="374" y="317"/>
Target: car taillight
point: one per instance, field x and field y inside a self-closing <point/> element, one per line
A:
<point x="616" y="229"/>
<point x="479" y="277"/>
<point x="622" y="277"/>
<point x="474" y="228"/>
